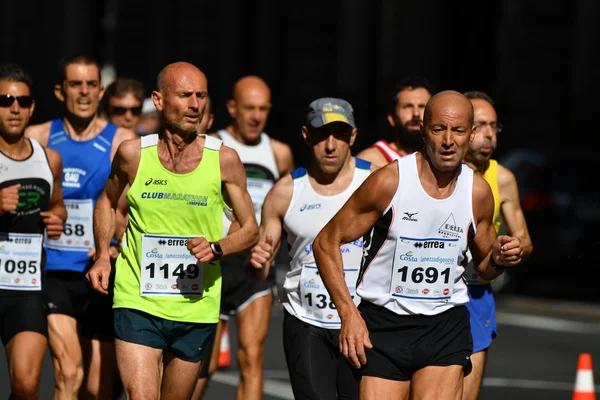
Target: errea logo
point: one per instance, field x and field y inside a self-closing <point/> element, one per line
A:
<point x="151" y="181"/>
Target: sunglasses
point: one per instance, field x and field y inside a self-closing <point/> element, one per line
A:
<point x="122" y="110"/>
<point x="7" y="100"/>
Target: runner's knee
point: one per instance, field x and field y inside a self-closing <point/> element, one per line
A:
<point x="25" y="386"/>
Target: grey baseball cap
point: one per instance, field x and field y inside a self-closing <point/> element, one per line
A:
<point x="328" y="109"/>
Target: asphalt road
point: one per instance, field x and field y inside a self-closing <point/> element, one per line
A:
<point x="534" y="357"/>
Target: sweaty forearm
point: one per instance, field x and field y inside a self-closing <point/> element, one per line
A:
<point x="104" y="226"/>
<point x="330" y="264"/>
<point x="486" y="271"/>
<point x="240" y="240"/>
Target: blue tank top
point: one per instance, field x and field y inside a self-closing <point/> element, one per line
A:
<point x="86" y="167"/>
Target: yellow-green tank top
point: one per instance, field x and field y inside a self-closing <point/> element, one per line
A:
<point x="164" y="203"/>
<point x="491" y="176"/>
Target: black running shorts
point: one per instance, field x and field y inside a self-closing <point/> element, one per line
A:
<point x="404" y="344"/>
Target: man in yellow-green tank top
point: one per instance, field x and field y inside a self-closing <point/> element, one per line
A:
<point x="168" y="277"/>
<point x="506" y="205"/>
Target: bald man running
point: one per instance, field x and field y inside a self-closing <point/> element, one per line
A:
<point x="265" y="161"/>
<point x="419" y="216"/>
<point x="168" y="276"/>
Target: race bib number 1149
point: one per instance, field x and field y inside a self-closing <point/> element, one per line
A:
<point x="168" y="268"/>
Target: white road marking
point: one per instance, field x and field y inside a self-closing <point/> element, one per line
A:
<point x="283" y="390"/>
<point x="280" y="390"/>
<point x="546" y="323"/>
<point x="531" y="384"/>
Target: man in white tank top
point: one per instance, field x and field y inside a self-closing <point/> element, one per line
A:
<point x="31" y="201"/>
<point x="405" y="117"/>
<point x="265" y="160"/>
<point x="301" y="204"/>
<point x="420" y="215"/>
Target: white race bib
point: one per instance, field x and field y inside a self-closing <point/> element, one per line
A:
<point x="258" y="189"/>
<point x="316" y="302"/>
<point x="20" y="262"/>
<point x="168" y="268"/>
<point x="424" y="268"/>
<point x="78" y="233"/>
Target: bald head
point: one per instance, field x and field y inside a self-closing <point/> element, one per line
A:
<point x="181" y="97"/>
<point x="448" y="102"/>
<point x="249" y="84"/>
<point x="173" y="73"/>
<point x="249" y="108"/>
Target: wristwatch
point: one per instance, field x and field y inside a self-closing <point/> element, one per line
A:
<point x="216" y="250"/>
<point x="496" y="266"/>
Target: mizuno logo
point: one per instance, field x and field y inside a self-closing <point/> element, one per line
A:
<point x="409" y="217"/>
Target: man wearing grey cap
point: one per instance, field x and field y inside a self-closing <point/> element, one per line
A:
<point x="301" y="204"/>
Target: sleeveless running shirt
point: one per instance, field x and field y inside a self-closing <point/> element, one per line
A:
<point x="304" y="294"/>
<point x="86" y="167"/>
<point x="155" y="272"/>
<point x="491" y="176"/>
<point x="260" y="165"/>
<point x="414" y="257"/>
<point x="21" y="230"/>
<point x="388" y="151"/>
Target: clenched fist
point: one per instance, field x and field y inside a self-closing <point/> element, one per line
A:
<point x="9" y="198"/>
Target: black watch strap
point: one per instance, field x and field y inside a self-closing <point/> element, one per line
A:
<point x="216" y="250"/>
<point x="496" y="266"/>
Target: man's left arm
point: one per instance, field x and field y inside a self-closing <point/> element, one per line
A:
<point x="233" y="177"/>
<point x="510" y="207"/>
<point x="56" y="214"/>
<point x="283" y="157"/>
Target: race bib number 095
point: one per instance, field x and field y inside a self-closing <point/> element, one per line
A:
<point x="20" y="262"/>
<point x="168" y="268"/>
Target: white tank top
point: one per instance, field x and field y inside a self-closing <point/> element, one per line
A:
<point x="304" y="294"/>
<point x="414" y="257"/>
<point x="36" y="167"/>
<point x="260" y="165"/>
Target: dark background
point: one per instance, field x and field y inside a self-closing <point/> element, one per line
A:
<point x="537" y="59"/>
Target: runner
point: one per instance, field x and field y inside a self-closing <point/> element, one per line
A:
<point x="30" y="201"/>
<point x="168" y="280"/>
<point x="405" y="117"/>
<point x="410" y="333"/>
<point x="507" y="205"/>
<point x="250" y="301"/>
<point x="80" y="333"/>
<point x="300" y="205"/>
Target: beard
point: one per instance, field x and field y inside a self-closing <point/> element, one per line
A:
<point x="411" y="140"/>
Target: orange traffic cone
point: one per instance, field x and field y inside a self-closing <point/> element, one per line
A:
<point x="584" y="382"/>
<point x="224" y="349"/>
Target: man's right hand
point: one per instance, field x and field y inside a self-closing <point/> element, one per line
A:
<point x="261" y="253"/>
<point x="99" y="275"/>
<point x="354" y="337"/>
<point x="9" y="198"/>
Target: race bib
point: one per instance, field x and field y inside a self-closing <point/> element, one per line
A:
<point x="78" y="233"/>
<point x="168" y="268"/>
<point x="20" y="262"/>
<point x="258" y="189"/>
<point x="424" y="268"/>
<point x="316" y="302"/>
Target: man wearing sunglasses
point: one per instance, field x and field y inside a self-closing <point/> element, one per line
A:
<point x="122" y="103"/>
<point x="507" y="205"/>
<point x="79" y="320"/>
<point x="30" y="202"/>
